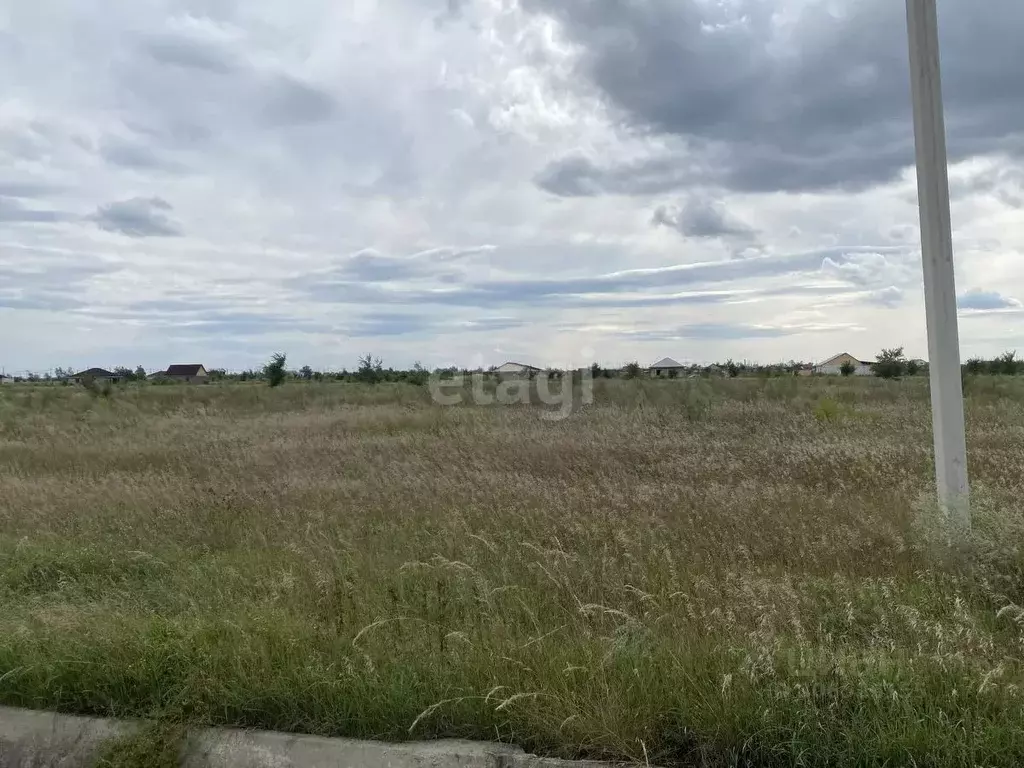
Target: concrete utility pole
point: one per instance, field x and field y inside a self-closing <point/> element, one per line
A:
<point x="937" y="257"/>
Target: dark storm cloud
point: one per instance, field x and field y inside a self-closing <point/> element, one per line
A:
<point x="702" y="217"/>
<point x="759" y="102"/>
<point x="138" y="217"/>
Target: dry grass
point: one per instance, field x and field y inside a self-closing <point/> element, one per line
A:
<point x="737" y="572"/>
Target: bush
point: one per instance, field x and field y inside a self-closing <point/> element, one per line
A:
<point x="632" y="370"/>
<point x="890" y="363"/>
<point x="847" y="368"/>
<point x="974" y="366"/>
<point x="274" y="370"/>
<point x="826" y="410"/>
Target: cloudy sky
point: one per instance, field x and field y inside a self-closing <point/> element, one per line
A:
<point x="471" y="181"/>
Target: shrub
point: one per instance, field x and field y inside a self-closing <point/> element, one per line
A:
<point x="890" y="363"/>
<point x="826" y="410"/>
<point x="847" y="368"/>
<point x="974" y="366"/>
<point x="274" y="370"/>
<point x="632" y="370"/>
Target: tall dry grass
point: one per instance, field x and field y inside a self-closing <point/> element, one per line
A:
<point x="685" y="572"/>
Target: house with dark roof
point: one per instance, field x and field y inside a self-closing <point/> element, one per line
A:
<point x="193" y="373"/>
<point x="94" y="374"/>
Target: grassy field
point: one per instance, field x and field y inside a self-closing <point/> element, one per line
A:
<point x="733" y="572"/>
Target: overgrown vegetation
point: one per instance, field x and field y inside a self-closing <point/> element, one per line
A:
<point x="154" y="745"/>
<point x="890" y="364"/>
<point x="710" y="571"/>
<point x="1007" y="364"/>
<point x="274" y="371"/>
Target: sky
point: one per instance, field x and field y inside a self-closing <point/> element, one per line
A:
<point x="473" y="181"/>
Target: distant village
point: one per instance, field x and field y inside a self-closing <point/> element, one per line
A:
<point x="371" y="370"/>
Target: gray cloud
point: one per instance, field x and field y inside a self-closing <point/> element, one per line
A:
<point x="758" y="100"/>
<point x="138" y="217"/>
<point x="57" y="302"/>
<point x="702" y="217"/>
<point x="13" y="212"/>
<point x="291" y="102"/>
<point x="874" y="269"/>
<point x="25" y="189"/>
<point x="887" y="297"/>
<point x="728" y="332"/>
<point x="365" y="285"/>
<point x="189" y="52"/>
<point x="1005" y="183"/>
<point x="987" y="301"/>
<point x="131" y="154"/>
<point x="387" y="324"/>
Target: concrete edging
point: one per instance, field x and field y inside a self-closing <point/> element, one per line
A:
<point x="30" y="739"/>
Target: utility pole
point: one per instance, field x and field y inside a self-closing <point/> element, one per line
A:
<point x="937" y="258"/>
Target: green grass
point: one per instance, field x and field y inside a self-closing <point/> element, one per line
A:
<point x="744" y="572"/>
<point x="154" y="745"/>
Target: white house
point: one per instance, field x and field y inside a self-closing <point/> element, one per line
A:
<point x="5" y="379"/>
<point x="516" y="369"/>
<point x="834" y="365"/>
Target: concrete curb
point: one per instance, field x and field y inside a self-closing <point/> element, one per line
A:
<point x="31" y="739"/>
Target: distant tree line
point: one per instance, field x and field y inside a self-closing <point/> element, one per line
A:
<point x="889" y="364"/>
<point x="1006" y="364"/>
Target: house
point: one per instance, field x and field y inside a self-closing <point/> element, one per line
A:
<point x="516" y="369"/>
<point x="5" y="379"/>
<point x="667" y="367"/>
<point x="834" y="365"/>
<point x="190" y="374"/>
<point x="96" y="375"/>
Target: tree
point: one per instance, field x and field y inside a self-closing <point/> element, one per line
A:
<point x="1006" y="364"/>
<point x="847" y="368"/>
<point x="974" y="366"/>
<point x="890" y="363"/>
<point x="371" y="370"/>
<point x="732" y="368"/>
<point x="595" y="370"/>
<point x="306" y="372"/>
<point x="632" y="370"/>
<point x="274" y="370"/>
<point x="140" y="373"/>
<point x="912" y="367"/>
